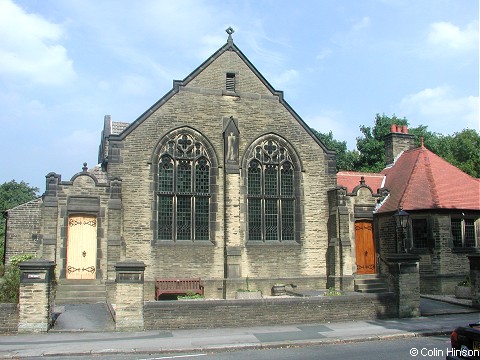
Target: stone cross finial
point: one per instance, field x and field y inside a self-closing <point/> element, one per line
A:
<point x="229" y="31"/>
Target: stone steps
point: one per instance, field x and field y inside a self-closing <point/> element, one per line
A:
<point x="80" y="292"/>
<point x="370" y="284"/>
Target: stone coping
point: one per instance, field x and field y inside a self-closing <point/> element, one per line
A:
<point x="451" y="299"/>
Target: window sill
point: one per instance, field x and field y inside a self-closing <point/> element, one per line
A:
<point x="465" y="250"/>
<point x="272" y="243"/>
<point x="421" y="251"/>
<point x="182" y="243"/>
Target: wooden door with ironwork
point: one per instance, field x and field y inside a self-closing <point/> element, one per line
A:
<point x="81" y="247"/>
<point x="365" y="247"/>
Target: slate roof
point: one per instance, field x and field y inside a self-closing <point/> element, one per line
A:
<point x="352" y="179"/>
<point x="421" y="180"/>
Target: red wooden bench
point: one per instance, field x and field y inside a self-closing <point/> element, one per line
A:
<point x="177" y="286"/>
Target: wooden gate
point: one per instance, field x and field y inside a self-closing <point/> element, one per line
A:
<point x="81" y="247"/>
<point x="365" y="248"/>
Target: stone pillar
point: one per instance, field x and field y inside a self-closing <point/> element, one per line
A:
<point x="49" y="218"/>
<point x="475" y="278"/>
<point x="404" y="271"/>
<point x="36" y="296"/>
<point x="233" y="243"/>
<point x="114" y="218"/>
<point x="340" y="262"/>
<point x="129" y="296"/>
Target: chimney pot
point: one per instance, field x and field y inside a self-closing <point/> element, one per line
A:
<point x="405" y="129"/>
<point x="393" y="128"/>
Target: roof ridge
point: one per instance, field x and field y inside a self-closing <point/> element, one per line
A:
<point x="430" y="177"/>
<point x="406" y="191"/>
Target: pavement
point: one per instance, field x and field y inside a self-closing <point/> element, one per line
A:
<point x="77" y="334"/>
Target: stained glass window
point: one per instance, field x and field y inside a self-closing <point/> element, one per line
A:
<point x="270" y="193"/>
<point x="183" y="200"/>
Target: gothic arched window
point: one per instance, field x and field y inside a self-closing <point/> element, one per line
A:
<point x="271" y="193"/>
<point x="183" y="194"/>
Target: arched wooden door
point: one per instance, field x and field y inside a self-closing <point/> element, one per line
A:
<point x="81" y="247"/>
<point x="365" y="248"/>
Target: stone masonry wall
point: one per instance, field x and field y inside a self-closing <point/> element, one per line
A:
<point x="441" y="267"/>
<point x="233" y="313"/>
<point x="23" y="229"/>
<point x="8" y="318"/>
<point x="202" y="106"/>
<point x="35" y="305"/>
<point x="81" y="195"/>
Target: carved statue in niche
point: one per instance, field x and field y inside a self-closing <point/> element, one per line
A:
<point x="231" y="144"/>
<point x="231" y="153"/>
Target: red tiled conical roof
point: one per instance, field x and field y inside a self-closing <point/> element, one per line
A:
<point x="421" y="180"/>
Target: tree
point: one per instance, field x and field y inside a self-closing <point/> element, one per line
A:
<point x="345" y="158"/>
<point x="465" y="151"/>
<point x="371" y="146"/>
<point x="460" y="149"/>
<point x="11" y="195"/>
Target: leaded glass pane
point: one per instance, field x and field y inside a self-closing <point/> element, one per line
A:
<point x="183" y="188"/>
<point x="254" y="179"/>
<point x="271" y="174"/>
<point x="419" y="232"/>
<point x="201" y="218"/>
<point x="271" y="219"/>
<point x="254" y="219"/>
<point x="165" y="174"/>
<point x="287" y="180"/>
<point x="184" y="176"/>
<point x="456" y="225"/>
<point x="165" y="220"/>
<point x="202" y="176"/>
<point x="184" y="218"/>
<point x="469" y="233"/>
<point x="288" y="216"/>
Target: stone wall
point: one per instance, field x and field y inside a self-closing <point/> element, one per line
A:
<point x="234" y="313"/>
<point x="201" y="106"/>
<point x="441" y="267"/>
<point x="8" y="318"/>
<point x="23" y="230"/>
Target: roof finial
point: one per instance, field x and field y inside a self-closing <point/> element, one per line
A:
<point x="84" y="168"/>
<point x="230" y="31"/>
<point x="422" y="145"/>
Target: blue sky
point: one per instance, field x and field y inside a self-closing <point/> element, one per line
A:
<point x="64" y="64"/>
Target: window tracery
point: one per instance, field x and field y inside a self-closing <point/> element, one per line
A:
<point x="183" y="194"/>
<point x="270" y="193"/>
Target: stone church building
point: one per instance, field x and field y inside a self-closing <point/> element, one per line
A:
<point x="220" y="180"/>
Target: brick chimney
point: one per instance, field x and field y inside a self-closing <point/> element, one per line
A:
<point x="397" y="141"/>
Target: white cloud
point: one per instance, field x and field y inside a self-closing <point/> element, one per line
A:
<point x="79" y="142"/>
<point x="324" y="53"/>
<point x="135" y="85"/>
<point x="362" y="24"/>
<point x="29" y="47"/>
<point x="334" y="121"/>
<point x="445" y="35"/>
<point x="285" y="79"/>
<point x="441" y="110"/>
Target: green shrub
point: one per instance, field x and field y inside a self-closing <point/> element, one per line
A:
<point x="332" y="292"/>
<point x="10" y="283"/>
<point x="466" y="282"/>
<point x="190" y="295"/>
